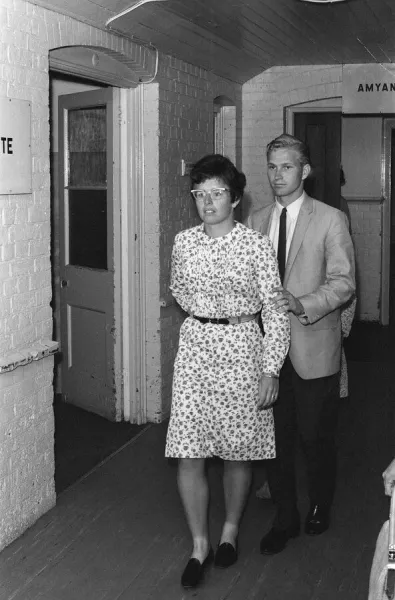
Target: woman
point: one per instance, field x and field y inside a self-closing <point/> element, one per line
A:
<point x="225" y="372"/>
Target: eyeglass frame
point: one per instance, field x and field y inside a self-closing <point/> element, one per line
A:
<point x="208" y="192"/>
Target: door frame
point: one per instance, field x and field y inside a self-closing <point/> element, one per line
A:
<point x="133" y="285"/>
<point x="110" y="98"/>
<point x="129" y="237"/>
<point x="314" y="106"/>
<point x="388" y="126"/>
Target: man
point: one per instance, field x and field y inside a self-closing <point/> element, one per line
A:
<point x="316" y="263"/>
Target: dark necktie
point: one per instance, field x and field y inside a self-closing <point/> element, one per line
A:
<point x="282" y="243"/>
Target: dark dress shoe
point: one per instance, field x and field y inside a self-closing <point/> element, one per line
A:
<point x="194" y="571"/>
<point x="225" y="556"/>
<point x="317" y="520"/>
<point x="276" y="540"/>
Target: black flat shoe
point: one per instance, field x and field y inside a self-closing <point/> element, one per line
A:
<point x="225" y="556"/>
<point x="194" y="571"/>
<point x="276" y="540"/>
<point x="317" y="520"/>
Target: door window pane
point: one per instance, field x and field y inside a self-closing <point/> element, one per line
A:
<point x="88" y="228"/>
<point x="87" y="137"/>
<point x="87" y="180"/>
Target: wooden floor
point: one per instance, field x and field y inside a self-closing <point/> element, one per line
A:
<point x="119" y="534"/>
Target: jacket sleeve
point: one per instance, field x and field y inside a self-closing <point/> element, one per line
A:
<point x="339" y="283"/>
<point x="177" y="282"/>
<point x="276" y="325"/>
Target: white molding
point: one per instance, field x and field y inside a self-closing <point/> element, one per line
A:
<point x="133" y="257"/>
<point x="313" y="106"/>
<point x="117" y="255"/>
<point x="364" y="199"/>
<point x="97" y="64"/>
<point x="18" y="358"/>
<point x="388" y="125"/>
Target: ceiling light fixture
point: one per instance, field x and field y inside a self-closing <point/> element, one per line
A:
<point x="134" y="5"/>
<point x="323" y="1"/>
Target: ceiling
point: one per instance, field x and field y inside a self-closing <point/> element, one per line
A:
<point x="238" y="39"/>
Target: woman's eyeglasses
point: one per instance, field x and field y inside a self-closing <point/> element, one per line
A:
<point x="215" y="193"/>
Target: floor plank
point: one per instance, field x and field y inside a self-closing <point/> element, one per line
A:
<point x="120" y="533"/>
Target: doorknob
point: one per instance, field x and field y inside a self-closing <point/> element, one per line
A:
<point x="64" y="283"/>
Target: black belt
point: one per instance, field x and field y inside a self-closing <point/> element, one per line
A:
<point x="215" y="321"/>
<point x="223" y="321"/>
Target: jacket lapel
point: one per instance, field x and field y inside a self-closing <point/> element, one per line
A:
<point x="305" y="214"/>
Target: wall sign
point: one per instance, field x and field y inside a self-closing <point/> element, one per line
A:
<point x="15" y="146"/>
<point x="368" y="89"/>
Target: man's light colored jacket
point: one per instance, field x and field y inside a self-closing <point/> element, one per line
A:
<point x="320" y="271"/>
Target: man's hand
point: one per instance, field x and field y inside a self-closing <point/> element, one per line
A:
<point x="389" y="478"/>
<point x="268" y="391"/>
<point x="284" y="301"/>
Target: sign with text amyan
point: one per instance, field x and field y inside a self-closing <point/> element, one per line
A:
<point x="15" y="146"/>
<point x="368" y="89"/>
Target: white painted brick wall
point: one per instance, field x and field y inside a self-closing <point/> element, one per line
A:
<point x="27" y="33"/>
<point x="26" y="422"/>
<point x="264" y="99"/>
<point x="26" y="451"/>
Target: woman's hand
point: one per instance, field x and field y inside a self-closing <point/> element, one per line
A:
<point x="389" y="478"/>
<point x="268" y="391"/>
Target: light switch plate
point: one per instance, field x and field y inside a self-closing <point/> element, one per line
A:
<point x="185" y="167"/>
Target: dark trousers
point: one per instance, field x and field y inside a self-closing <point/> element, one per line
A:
<point x="308" y="408"/>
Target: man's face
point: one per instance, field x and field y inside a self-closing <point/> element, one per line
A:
<point x="286" y="174"/>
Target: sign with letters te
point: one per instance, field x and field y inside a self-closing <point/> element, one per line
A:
<point x="15" y="146"/>
<point x="369" y="89"/>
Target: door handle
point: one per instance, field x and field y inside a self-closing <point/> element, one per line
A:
<point x="64" y="283"/>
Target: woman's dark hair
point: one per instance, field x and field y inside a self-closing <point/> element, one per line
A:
<point x="218" y="166"/>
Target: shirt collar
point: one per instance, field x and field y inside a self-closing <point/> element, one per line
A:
<point x="294" y="208"/>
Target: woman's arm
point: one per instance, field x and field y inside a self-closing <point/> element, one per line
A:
<point x="275" y="324"/>
<point x="177" y="283"/>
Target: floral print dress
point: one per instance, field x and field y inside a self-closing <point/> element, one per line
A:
<point x="218" y="367"/>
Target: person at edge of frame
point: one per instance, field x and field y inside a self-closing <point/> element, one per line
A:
<point x="317" y="269"/>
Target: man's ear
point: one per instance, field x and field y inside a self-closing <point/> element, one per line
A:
<point x="306" y="171"/>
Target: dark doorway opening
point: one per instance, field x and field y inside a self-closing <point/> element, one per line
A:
<point x="392" y="252"/>
<point x="84" y="440"/>
<point x="322" y="133"/>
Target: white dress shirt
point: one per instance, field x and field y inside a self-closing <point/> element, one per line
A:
<point x="292" y="216"/>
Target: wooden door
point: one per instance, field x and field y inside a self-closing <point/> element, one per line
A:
<point x="322" y="133"/>
<point x="87" y="250"/>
